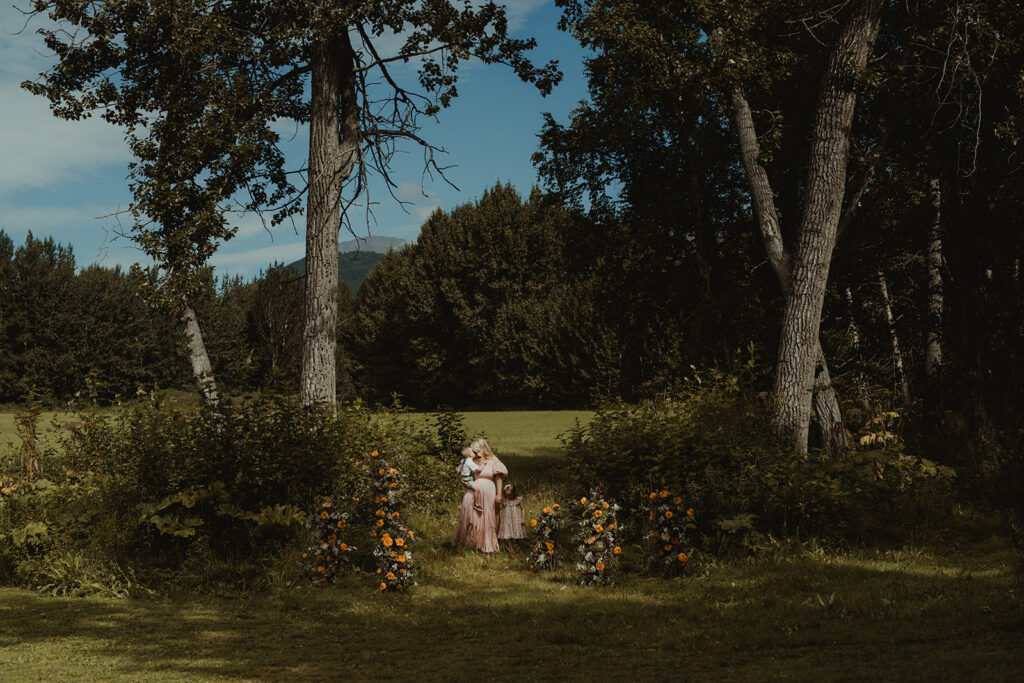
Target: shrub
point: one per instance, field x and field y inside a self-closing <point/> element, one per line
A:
<point x="711" y="444"/>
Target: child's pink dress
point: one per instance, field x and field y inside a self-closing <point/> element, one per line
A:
<point x="511" y="525"/>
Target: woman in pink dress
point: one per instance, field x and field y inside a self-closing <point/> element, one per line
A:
<point x="488" y="489"/>
<point x="467" y="513"/>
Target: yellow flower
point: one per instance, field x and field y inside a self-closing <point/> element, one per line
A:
<point x="600" y="566"/>
<point x="617" y="550"/>
<point x="383" y="586"/>
<point x="689" y="513"/>
<point x="533" y="523"/>
<point x="343" y="547"/>
<point x="583" y="500"/>
<point x="605" y="505"/>
<point x="386" y="540"/>
<point x="598" y="513"/>
<point x="668" y="514"/>
<point x="677" y="500"/>
<point x="401" y="558"/>
<point x="546" y="511"/>
<point x="380" y="522"/>
<point x="324" y="515"/>
<point x="682" y="557"/>
<point x="391" y="576"/>
<point x="375" y="454"/>
<point x="663" y="494"/>
<point x="401" y="541"/>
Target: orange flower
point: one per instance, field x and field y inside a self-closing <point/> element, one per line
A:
<point x="379" y="570"/>
<point x="583" y="500"/>
<point x="321" y="570"/>
<point x="394" y="553"/>
<point x="650" y="516"/>
<point x="412" y="534"/>
<point x="668" y="514"/>
<point x="653" y="496"/>
<point x="600" y="566"/>
<point x="605" y="505"/>
<point x="392" y="485"/>
<point x="598" y="528"/>
<point x="401" y="541"/>
<point x="401" y="558"/>
<point x="380" y="471"/>
<point x="394" y="514"/>
<point x="324" y="515"/>
<point x="374" y="454"/>
<point x="611" y="527"/>
<point x="546" y="511"/>
<point x="677" y="500"/>
<point x="380" y="522"/>
<point x="556" y="506"/>
<point x="598" y="513"/>
<point x="341" y="524"/>
<point x="550" y="545"/>
<point x="663" y="494"/>
<point x="682" y="557"/>
<point x="590" y="540"/>
<point x="551" y="552"/>
<point x="533" y="523"/>
<point x="668" y="547"/>
<point x="383" y="586"/>
<point x="391" y="576"/>
<point x="386" y="540"/>
<point x="380" y="513"/>
<point x="343" y="547"/>
<point x="305" y="555"/>
<point x="617" y="550"/>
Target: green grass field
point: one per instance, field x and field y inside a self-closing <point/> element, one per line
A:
<point x="951" y="610"/>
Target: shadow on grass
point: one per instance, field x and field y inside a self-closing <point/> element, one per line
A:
<point x="472" y="617"/>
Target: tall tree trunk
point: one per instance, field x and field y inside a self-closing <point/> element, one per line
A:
<point x="202" y="370"/>
<point x="933" y="341"/>
<point x="799" y="350"/>
<point x="332" y="156"/>
<point x="897" y="355"/>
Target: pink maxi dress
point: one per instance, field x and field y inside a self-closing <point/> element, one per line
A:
<point x="485" y="524"/>
<point x="467" y="515"/>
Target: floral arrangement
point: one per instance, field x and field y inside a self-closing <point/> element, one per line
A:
<point x="596" y="547"/>
<point x="668" y="523"/>
<point x="394" y="539"/>
<point x="544" y="554"/>
<point x="328" y="552"/>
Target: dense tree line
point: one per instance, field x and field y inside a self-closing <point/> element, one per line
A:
<point x="105" y="332"/>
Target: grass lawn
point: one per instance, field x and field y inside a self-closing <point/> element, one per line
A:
<point x="951" y="610"/>
<point x="864" y="615"/>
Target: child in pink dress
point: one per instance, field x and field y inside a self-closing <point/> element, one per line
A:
<point x="511" y="525"/>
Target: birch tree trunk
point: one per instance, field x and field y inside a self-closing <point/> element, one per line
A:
<point x="333" y="152"/>
<point x="933" y="341"/>
<point x="202" y="370"/>
<point x="897" y="355"/>
<point x="799" y="350"/>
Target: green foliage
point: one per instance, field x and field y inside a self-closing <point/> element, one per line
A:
<point x="708" y="444"/>
<point x="169" y="492"/>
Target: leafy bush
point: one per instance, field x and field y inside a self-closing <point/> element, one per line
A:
<point x="710" y="443"/>
<point x="165" y="491"/>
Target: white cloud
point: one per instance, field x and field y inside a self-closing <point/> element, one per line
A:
<point x="254" y="259"/>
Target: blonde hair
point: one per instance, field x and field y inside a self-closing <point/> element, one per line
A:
<point x="480" y="447"/>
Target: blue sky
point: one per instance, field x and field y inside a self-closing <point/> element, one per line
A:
<point x="61" y="178"/>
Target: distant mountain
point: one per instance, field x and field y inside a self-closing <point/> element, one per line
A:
<point x="356" y="258"/>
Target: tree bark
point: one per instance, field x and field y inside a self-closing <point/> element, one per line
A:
<point x="202" y="370"/>
<point x="333" y="152"/>
<point x="799" y="350"/>
<point x="830" y="421"/>
<point x="897" y="355"/>
<point x="936" y="302"/>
